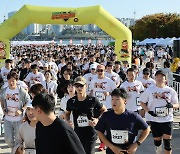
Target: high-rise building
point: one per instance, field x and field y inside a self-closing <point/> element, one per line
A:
<point x="127" y="21"/>
<point x="33" y="29"/>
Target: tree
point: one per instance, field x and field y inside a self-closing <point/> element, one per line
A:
<point x="157" y="26"/>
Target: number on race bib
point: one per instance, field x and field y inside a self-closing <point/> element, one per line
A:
<point x="30" y="151"/>
<point x="100" y="96"/>
<point x="83" y="121"/>
<point x="161" y="111"/>
<point x="119" y="136"/>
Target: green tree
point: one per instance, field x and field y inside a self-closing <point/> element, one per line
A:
<point x="156" y="26"/>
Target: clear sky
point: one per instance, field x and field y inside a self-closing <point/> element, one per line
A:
<point x="118" y="8"/>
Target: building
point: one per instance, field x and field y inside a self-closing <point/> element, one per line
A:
<point x="33" y="29"/>
<point x="127" y="21"/>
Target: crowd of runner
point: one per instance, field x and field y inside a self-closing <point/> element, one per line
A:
<point x="99" y="95"/>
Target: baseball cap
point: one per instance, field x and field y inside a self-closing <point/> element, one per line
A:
<point x="29" y="104"/>
<point x="80" y="80"/>
<point x="160" y="72"/>
<point x="46" y="65"/>
<point x="93" y="66"/>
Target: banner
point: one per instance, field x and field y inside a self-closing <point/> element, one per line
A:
<point x="68" y="16"/>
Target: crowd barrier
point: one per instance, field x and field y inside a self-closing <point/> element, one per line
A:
<point x="176" y="86"/>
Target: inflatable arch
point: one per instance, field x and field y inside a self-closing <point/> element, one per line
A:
<point x="69" y="16"/>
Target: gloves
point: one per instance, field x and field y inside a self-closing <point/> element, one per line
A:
<point x="169" y="105"/>
<point x="152" y="113"/>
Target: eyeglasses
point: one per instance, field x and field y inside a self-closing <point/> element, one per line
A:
<point x="100" y="70"/>
<point x="79" y="85"/>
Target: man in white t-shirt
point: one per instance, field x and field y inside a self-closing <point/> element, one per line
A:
<point x="13" y="99"/>
<point x="52" y="64"/>
<point x="102" y="86"/>
<point x="134" y="88"/>
<point x="112" y="75"/>
<point x="6" y="69"/>
<point x="92" y="60"/>
<point x="63" y="63"/>
<point x="160" y="100"/>
<point x="34" y="77"/>
<point x="146" y="80"/>
<point x="89" y="77"/>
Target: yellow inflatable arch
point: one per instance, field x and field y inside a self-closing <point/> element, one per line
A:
<point x="69" y="16"/>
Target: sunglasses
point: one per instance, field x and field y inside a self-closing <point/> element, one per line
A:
<point x="93" y="69"/>
<point x="79" y="85"/>
<point x="146" y="73"/>
<point x="100" y="70"/>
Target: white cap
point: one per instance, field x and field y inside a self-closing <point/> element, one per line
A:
<point x="93" y="66"/>
<point x="46" y="65"/>
<point x="29" y="104"/>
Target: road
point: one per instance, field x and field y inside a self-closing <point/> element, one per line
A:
<point x="146" y="148"/>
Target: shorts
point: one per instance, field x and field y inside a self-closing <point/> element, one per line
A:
<point x="158" y="129"/>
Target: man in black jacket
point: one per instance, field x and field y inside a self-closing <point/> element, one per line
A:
<point x="24" y="72"/>
<point x="119" y="70"/>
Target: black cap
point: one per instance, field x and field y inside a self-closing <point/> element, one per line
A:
<point x="160" y="72"/>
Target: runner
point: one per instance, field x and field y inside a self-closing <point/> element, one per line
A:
<point x="25" y="140"/>
<point x="34" y="77"/>
<point x="50" y="85"/>
<point x="13" y="99"/>
<point x="121" y="126"/>
<point x="63" y="103"/>
<point x="86" y="111"/>
<point x="53" y="135"/>
<point x="146" y="79"/>
<point x="160" y="100"/>
<point x="112" y="75"/>
<point x="133" y="88"/>
<point x="89" y="77"/>
<point x="102" y="86"/>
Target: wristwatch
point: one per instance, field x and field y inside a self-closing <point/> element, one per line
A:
<point x="138" y="143"/>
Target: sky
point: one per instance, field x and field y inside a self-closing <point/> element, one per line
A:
<point x="118" y="8"/>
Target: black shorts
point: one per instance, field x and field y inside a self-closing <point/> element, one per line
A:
<point x="158" y="129"/>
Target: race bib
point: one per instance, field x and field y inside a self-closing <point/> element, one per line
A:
<point x="12" y="111"/>
<point x="161" y="111"/>
<point x="83" y="121"/>
<point x="100" y="95"/>
<point x="30" y="151"/>
<point x="119" y="136"/>
<point x="138" y="101"/>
